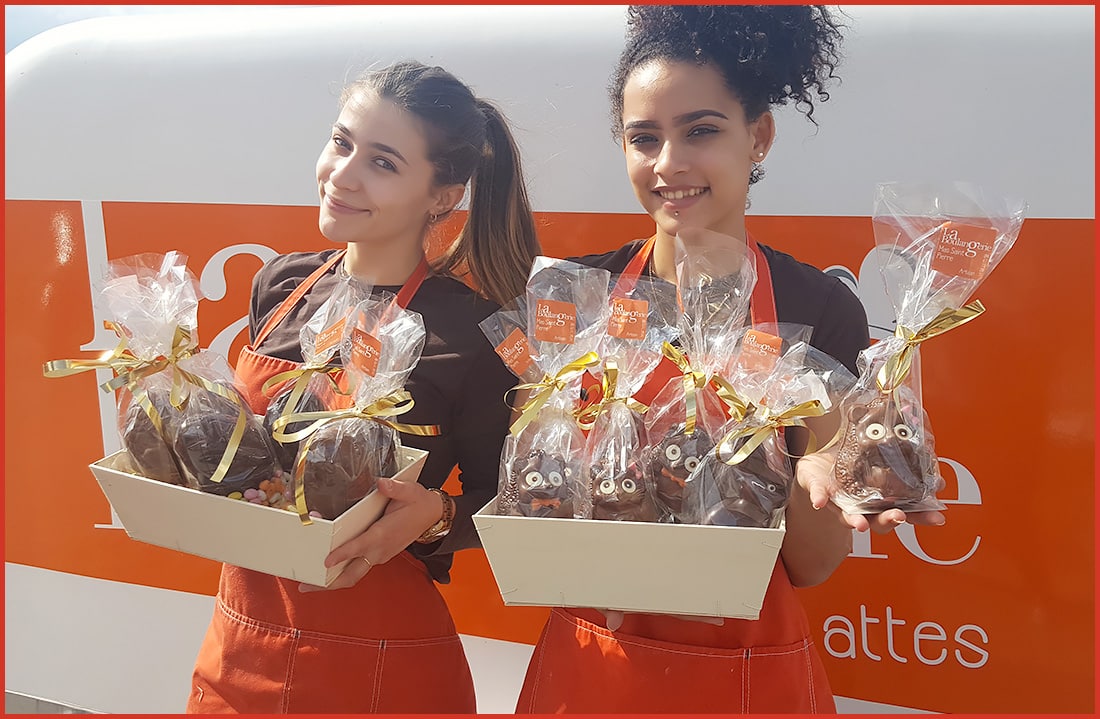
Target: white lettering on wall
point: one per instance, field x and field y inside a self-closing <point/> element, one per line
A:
<point x="930" y="642"/>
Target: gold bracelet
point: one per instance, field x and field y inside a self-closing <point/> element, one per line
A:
<point x="441" y="528"/>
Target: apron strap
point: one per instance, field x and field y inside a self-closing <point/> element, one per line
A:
<point x="404" y="296"/>
<point x="762" y="304"/>
<point x="298" y="293"/>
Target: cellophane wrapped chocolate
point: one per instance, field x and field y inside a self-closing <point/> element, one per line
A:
<point x="566" y="312"/>
<point x="314" y="387"/>
<point x="644" y="316"/>
<point x="941" y="242"/>
<point x="746" y="481"/>
<point x="190" y="403"/>
<point x="506" y="330"/>
<point x="682" y="423"/>
<point x="340" y="461"/>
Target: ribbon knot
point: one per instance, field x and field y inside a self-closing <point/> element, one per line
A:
<point x="380" y="410"/>
<point x="765" y="425"/>
<point x="586" y="418"/>
<point x="896" y="368"/>
<point x="544" y="389"/>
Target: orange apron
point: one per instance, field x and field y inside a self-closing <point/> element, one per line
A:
<point x="386" y="645"/>
<point x="660" y="664"/>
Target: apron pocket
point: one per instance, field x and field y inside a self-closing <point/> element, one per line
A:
<point x="584" y="668"/>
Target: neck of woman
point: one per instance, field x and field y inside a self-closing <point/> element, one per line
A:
<point x="664" y="249"/>
<point x="383" y="265"/>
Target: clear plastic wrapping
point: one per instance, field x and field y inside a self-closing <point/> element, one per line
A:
<point x="941" y="242"/>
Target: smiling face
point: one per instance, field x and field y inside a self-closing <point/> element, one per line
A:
<point x="374" y="177"/>
<point x="689" y="147"/>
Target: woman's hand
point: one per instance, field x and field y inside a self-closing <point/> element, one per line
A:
<point x="815" y="474"/>
<point x="411" y="510"/>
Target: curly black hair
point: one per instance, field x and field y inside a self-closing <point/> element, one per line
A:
<point x="768" y="54"/>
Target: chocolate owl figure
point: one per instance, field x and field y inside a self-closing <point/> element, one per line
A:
<point x="343" y="463"/>
<point x="883" y="458"/>
<point x="149" y="452"/>
<point x="743" y="495"/>
<point x="671" y="461"/>
<point x="620" y="496"/>
<point x="287" y="452"/>
<point x="543" y="483"/>
<point x="201" y="440"/>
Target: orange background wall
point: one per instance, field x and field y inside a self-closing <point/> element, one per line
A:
<point x="1011" y="397"/>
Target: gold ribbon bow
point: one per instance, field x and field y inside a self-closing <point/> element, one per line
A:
<point x="130" y="369"/>
<point x="586" y="418"/>
<point x="396" y="403"/>
<point x="695" y="380"/>
<point x="769" y="424"/>
<point x="897" y="367"/>
<point x="301" y="377"/>
<point x="545" y="388"/>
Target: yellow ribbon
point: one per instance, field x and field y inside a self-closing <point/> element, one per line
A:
<point x="301" y="377"/>
<point x="768" y="424"/>
<point x="695" y="380"/>
<point x="396" y="403"/>
<point x="545" y="388"/>
<point x="897" y="367"/>
<point x="130" y="369"/>
<point x="586" y="418"/>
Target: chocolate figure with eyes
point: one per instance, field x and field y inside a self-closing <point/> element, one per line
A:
<point x="543" y="485"/>
<point x="884" y="459"/>
<point x="621" y="496"/>
<point x="746" y="494"/>
<point x="671" y="462"/>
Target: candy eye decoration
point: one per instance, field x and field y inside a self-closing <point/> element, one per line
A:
<point x="607" y="487"/>
<point x="691" y="463"/>
<point x="568" y="472"/>
<point x="903" y="431"/>
<point x="555" y="479"/>
<point x="672" y="452"/>
<point x="629" y="487"/>
<point x="533" y="479"/>
<point x="875" y="431"/>
<point x="771" y="488"/>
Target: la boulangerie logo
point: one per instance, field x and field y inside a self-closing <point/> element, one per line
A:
<point x="628" y="318"/>
<point x="963" y="250"/>
<point x="516" y="352"/>
<point x="555" y="322"/>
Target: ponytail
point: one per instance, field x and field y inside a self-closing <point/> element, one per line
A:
<point x="498" y="243"/>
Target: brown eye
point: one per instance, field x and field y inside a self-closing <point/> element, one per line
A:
<point x="629" y="487"/>
<point x="607" y="487"/>
<point x="555" y="479"/>
<point x="875" y="431"/>
<point x="903" y="431"/>
<point x="691" y="463"/>
<point x="533" y="479"/>
<point x="672" y="452"/>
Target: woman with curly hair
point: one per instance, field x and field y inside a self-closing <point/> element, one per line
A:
<point x="691" y="101"/>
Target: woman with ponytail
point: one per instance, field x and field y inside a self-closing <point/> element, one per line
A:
<point x="691" y="105"/>
<point x="407" y="141"/>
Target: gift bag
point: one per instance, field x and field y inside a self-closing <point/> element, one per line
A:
<point x="566" y="312"/>
<point x="344" y="451"/>
<point x="643" y="318"/>
<point x="682" y="424"/>
<point x="747" y="480"/>
<point x="315" y="385"/>
<point x="942" y="242"/>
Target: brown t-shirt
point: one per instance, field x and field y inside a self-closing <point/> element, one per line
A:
<point x="803" y="295"/>
<point x="458" y="384"/>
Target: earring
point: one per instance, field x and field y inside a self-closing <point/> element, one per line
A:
<point x="760" y="155"/>
<point x="432" y="217"/>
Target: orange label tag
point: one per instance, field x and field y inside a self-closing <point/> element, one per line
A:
<point x="555" y="322"/>
<point x="628" y="318"/>
<point x="366" y="350"/>
<point x="759" y="351"/>
<point x="327" y="339"/>
<point x="515" y="352"/>
<point x="963" y="250"/>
